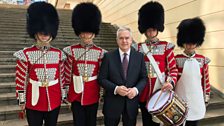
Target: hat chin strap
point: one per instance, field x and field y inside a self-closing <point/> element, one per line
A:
<point x="153" y="37"/>
<point x="87" y="39"/>
<point x="42" y="44"/>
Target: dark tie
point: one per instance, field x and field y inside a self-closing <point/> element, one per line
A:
<point x="125" y="65"/>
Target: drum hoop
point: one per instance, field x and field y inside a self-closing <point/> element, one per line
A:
<point x="169" y="106"/>
<point x="161" y="109"/>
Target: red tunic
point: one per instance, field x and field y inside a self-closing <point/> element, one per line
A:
<point x="81" y="62"/>
<point x="203" y="61"/>
<point x="33" y="64"/>
<point x="163" y="54"/>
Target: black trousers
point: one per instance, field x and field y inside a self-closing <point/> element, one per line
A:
<point x="126" y="120"/>
<point x="146" y="116"/>
<point x="84" y="115"/>
<point x="191" y="123"/>
<point x="36" y="118"/>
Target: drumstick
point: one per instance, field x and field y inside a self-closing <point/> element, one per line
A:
<point x="157" y="99"/>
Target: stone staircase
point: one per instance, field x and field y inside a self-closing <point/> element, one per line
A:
<point x="13" y="37"/>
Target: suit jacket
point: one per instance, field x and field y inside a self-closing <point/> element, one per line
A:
<point x="111" y="75"/>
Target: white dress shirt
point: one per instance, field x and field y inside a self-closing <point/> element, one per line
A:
<point x="122" y="57"/>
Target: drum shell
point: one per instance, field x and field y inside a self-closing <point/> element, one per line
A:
<point x="173" y="112"/>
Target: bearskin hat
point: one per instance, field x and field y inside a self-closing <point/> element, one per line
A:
<point x="151" y="15"/>
<point x="191" y="31"/>
<point x="42" y="17"/>
<point x="86" y="17"/>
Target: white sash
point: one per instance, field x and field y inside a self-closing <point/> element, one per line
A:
<point x="160" y="76"/>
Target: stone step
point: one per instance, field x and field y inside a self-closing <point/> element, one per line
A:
<point x="61" y="32"/>
<point x="68" y="26"/>
<point x="4" y="23"/>
<point x="21" y="21"/>
<point x="11" y="111"/>
<point x="6" y="13"/>
<point x="18" y="39"/>
<point x="22" y="29"/>
<point x="9" y="49"/>
<point x="213" y="117"/>
<point x="6" y="54"/>
<point x="5" y="7"/>
<point x="10" y="114"/>
<point x="7" y="68"/>
<point x="61" y="35"/>
<point x="20" y="17"/>
<point x="18" y="8"/>
<point x="7" y="77"/>
<point x="63" y="120"/>
<point x="7" y="61"/>
<point x="21" y="25"/>
<point x="24" y="9"/>
<point x="9" y="87"/>
<point x="11" y="37"/>
<point x="215" y="111"/>
<point x="212" y="123"/>
<point x="12" y="10"/>
<point x="7" y="99"/>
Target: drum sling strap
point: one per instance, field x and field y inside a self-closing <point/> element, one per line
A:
<point x="160" y="76"/>
<point x="153" y="62"/>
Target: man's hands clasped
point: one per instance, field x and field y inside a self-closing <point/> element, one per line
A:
<point x="124" y="91"/>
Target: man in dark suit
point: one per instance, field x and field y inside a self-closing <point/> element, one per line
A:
<point x="123" y="76"/>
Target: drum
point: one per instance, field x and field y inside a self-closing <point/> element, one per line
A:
<point x="168" y="108"/>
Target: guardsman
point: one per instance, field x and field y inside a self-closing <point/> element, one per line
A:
<point x="82" y="65"/>
<point x="40" y="68"/>
<point x="150" y="23"/>
<point x="193" y="84"/>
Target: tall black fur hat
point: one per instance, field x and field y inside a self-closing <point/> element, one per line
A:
<point x="86" y="17"/>
<point x="42" y="17"/>
<point x="191" y="31"/>
<point x="151" y="15"/>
